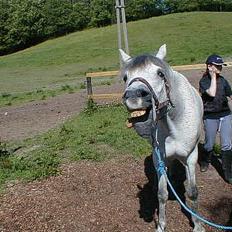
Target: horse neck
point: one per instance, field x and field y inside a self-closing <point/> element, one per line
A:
<point x="180" y="89"/>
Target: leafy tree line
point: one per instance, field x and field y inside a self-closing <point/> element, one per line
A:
<point x="27" y="22"/>
<point x="171" y="6"/>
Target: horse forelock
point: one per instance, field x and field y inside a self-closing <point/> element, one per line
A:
<point x="142" y="61"/>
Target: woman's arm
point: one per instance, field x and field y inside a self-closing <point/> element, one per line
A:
<point x="211" y="91"/>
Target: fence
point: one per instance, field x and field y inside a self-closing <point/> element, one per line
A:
<point x="108" y="74"/>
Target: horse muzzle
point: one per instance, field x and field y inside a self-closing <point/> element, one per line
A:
<point x="137" y="99"/>
<point x="139" y="103"/>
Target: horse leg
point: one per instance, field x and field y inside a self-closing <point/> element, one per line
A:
<point x="162" y="194"/>
<point x="162" y="197"/>
<point x="191" y="188"/>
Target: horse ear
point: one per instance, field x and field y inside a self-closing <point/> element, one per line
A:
<point x="125" y="58"/>
<point x="162" y="52"/>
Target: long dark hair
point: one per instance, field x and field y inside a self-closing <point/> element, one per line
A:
<point x="206" y="73"/>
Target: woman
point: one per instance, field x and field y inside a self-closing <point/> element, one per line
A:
<point x="215" y="89"/>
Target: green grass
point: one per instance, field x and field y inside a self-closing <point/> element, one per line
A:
<point x="7" y="99"/>
<point x="97" y="134"/>
<point x="26" y="166"/>
<point x="190" y="38"/>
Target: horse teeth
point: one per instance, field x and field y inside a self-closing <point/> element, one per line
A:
<point x="129" y="124"/>
<point x="138" y="113"/>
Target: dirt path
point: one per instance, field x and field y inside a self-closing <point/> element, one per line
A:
<point x="28" y="120"/>
<point x="113" y="196"/>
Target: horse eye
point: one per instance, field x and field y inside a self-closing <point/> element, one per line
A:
<point x="125" y="78"/>
<point x="160" y="74"/>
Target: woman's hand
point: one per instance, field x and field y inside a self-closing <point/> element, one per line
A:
<point x="213" y="71"/>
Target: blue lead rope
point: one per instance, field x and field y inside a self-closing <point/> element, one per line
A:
<point x="161" y="170"/>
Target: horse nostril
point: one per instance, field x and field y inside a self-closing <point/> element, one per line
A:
<point x="135" y="93"/>
<point x="141" y="93"/>
<point x="144" y="93"/>
<point x="128" y="94"/>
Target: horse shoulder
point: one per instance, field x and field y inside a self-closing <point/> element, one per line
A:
<point x="187" y="127"/>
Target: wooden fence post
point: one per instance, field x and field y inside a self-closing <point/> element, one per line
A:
<point x="89" y="87"/>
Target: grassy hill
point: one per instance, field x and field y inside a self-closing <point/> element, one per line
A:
<point x="190" y="38"/>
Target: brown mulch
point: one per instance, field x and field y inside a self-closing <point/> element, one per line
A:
<point x="115" y="195"/>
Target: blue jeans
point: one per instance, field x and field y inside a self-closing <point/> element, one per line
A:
<point x="224" y="127"/>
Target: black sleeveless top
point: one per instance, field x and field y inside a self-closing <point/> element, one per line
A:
<point x="215" y="107"/>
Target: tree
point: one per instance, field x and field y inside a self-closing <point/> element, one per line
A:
<point x="81" y="14"/>
<point x="199" y="5"/>
<point x="181" y="6"/>
<point x="140" y="9"/>
<point x="227" y="5"/>
<point x="100" y="12"/>
<point x="58" y="17"/>
<point x="4" y="14"/>
<point x="25" y="23"/>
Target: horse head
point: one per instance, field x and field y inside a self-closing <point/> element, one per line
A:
<point x="146" y="78"/>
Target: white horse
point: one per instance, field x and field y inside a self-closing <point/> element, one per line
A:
<point x="157" y="95"/>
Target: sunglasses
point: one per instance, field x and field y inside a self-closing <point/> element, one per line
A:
<point x="219" y="67"/>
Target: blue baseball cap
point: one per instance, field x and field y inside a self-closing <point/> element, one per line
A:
<point x="215" y="59"/>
